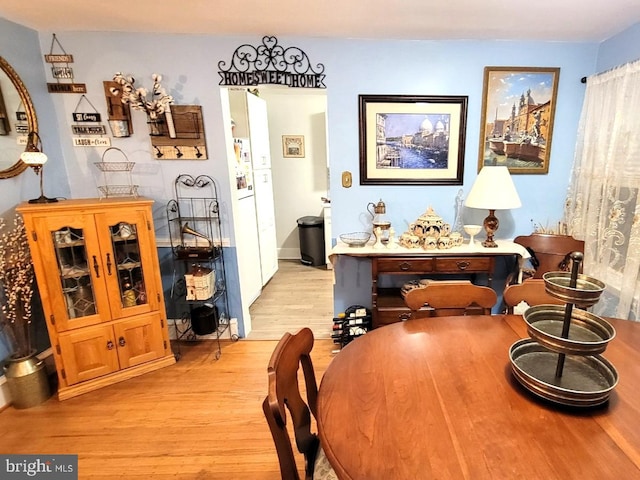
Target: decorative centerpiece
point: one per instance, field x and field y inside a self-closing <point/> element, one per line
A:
<point x="429" y="232"/>
<point x="26" y="375"/>
<point x="561" y="362"/>
<point x="155" y="107"/>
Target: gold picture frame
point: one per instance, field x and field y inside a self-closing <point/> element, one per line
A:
<point x="518" y="110"/>
<point x="293" y="146"/>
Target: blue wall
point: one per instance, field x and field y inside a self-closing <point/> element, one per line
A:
<point x="189" y="64"/>
<point x="619" y="49"/>
<point x="441" y="68"/>
<point x="20" y="47"/>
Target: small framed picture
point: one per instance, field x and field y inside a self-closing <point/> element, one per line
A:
<point x="293" y="146"/>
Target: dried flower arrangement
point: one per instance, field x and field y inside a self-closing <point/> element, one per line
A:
<point x="136" y="97"/>
<point x="16" y="283"/>
<point x="559" y="229"/>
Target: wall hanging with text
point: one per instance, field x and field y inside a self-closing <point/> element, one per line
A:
<point x="271" y="64"/>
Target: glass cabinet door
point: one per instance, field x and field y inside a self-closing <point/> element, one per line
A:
<point x="74" y="265"/>
<point x="75" y="276"/>
<point x="128" y="250"/>
<point x="127" y="264"/>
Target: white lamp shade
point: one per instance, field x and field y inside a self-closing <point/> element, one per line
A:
<point x="33" y="158"/>
<point x="493" y="190"/>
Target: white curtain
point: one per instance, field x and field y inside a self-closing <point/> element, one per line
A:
<point x="603" y="202"/>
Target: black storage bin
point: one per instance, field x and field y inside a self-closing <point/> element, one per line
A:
<point x="311" y="232"/>
<point x="204" y="319"/>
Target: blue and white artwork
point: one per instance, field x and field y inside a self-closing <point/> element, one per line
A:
<point x="413" y="141"/>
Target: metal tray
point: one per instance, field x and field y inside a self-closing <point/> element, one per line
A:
<point x="586" y="292"/>
<point x="589" y="334"/>
<point x="586" y="380"/>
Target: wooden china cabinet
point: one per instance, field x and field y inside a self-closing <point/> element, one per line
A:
<point x="98" y="274"/>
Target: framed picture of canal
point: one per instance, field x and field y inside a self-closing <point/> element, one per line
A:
<point x="518" y="108"/>
<point x="411" y="139"/>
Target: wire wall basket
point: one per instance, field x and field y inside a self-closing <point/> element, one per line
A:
<point x="117" y="176"/>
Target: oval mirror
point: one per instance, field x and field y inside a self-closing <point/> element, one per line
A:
<point x="17" y="119"/>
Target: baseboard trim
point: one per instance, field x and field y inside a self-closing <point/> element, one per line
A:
<point x="289" y="253"/>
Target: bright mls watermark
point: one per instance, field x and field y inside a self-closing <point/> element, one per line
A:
<point x="51" y="467"/>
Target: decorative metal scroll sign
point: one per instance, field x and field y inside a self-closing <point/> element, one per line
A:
<point x="271" y="64"/>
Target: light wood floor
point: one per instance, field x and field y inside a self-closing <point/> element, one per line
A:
<point x="297" y="296"/>
<point x="197" y="419"/>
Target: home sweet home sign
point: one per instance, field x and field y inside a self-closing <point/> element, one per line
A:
<point x="270" y="64"/>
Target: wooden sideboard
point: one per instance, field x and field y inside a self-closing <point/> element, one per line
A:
<point x="387" y="304"/>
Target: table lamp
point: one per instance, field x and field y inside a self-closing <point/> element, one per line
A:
<point x="34" y="157"/>
<point x="493" y="190"/>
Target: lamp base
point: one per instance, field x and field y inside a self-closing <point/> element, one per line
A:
<point x="43" y="199"/>
<point x="489" y="243"/>
<point x="490" y="224"/>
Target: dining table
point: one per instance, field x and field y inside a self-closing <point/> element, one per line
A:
<point x="436" y="398"/>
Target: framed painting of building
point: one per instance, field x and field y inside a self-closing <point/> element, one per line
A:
<point x="518" y="109"/>
<point x="411" y="139"/>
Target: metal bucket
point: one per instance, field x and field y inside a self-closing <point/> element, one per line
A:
<point x="119" y="128"/>
<point x="28" y="381"/>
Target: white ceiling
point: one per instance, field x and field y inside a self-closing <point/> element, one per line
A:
<point x="558" y="20"/>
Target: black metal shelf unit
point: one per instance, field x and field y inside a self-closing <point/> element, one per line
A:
<point x="199" y="278"/>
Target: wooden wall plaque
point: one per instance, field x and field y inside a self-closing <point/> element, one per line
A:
<point x="183" y="138"/>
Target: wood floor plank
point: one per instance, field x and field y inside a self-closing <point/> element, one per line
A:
<point x="297" y="296"/>
<point x="200" y="418"/>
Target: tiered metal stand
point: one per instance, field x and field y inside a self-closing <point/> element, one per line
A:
<point x="119" y="171"/>
<point x="195" y="231"/>
<point x="561" y="361"/>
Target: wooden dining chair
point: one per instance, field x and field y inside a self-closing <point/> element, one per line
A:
<point x="531" y="291"/>
<point x="550" y="253"/>
<point x="448" y="298"/>
<point x="293" y="351"/>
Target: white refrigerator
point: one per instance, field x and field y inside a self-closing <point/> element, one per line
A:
<point x="247" y="242"/>
<point x="244" y="175"/>
<point x="262" y="185"/>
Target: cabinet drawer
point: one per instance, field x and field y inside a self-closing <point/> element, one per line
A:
<point x="463" y="264"/>
<point x="391" y="308"/>
<point x="386" y="317"/>
<point x="405" y="265"/>
<point x="394" y="315"/>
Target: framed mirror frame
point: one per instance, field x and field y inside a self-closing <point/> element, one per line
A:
<point x="32" y="121"/>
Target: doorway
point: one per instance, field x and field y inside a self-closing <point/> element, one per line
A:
<point x="297" y="296"/>
<point x="299" y="184"/>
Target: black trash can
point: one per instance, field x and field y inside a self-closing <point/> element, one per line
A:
<point x="204" y="319"/>
<point x="311" y="232"/>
